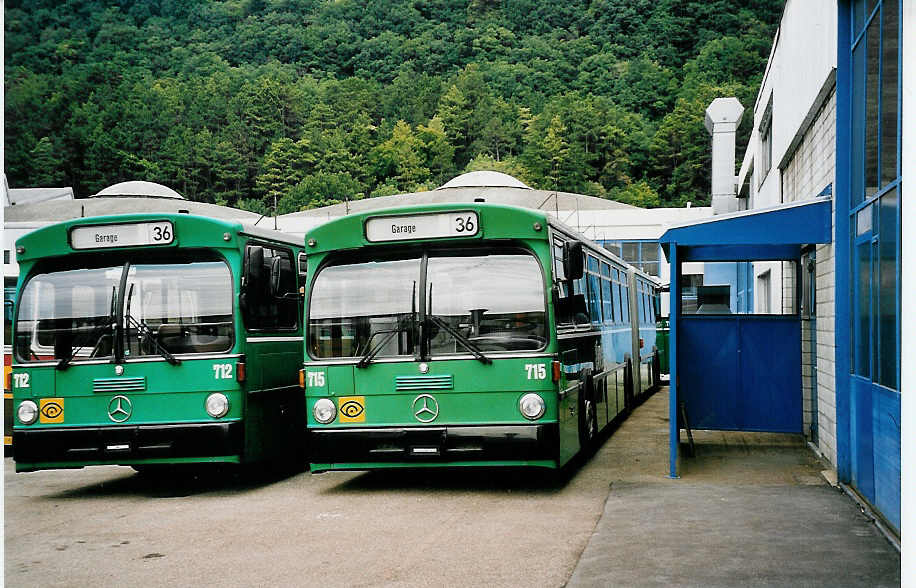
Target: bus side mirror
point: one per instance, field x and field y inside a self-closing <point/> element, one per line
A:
<point x="573" y="266"/>
<point x="253" y="267"/>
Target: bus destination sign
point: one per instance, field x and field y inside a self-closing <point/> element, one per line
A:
<point x="122" y="235"/>
<point x="422" y="226"/>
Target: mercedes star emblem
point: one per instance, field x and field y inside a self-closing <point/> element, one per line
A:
<point x="425" y="408"/>
<point x="119" y="409"/>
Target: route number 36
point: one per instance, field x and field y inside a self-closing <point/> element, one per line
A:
<point x="465" y="225"/>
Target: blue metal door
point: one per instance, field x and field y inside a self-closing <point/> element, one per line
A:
<point x="741" y="372"/>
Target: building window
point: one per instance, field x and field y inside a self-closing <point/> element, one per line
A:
<point x="766" y="141"/>
<point x="875" y="194"/>
<point x="643" y="254"/>
<point x="6" y="257"/>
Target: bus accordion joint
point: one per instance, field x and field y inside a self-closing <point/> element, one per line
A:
<point x="556" y="370"/>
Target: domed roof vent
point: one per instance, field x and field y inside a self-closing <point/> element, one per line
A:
<point x="484" y="179"/>
<point x="139" y="188"/>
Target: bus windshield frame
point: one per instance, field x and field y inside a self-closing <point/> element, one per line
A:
<point x="398" y="302"/>
<point x="126" y="307"/>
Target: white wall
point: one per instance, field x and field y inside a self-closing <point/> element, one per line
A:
<point x="803" y="58"/>
<point x="799" y="79"/>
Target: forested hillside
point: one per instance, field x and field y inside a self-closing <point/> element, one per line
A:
<point x="312" y="101"/>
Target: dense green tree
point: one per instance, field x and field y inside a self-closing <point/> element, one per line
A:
<point x="46" y="164"/>
<point x="604" y="97"/>
<point x="285" y="165"/>
<point x="400" y="159"/>
<point x="319" y="189"/>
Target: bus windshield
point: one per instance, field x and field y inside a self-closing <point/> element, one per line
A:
<point x="72" y="314"/>
<point x="494" y="300"/>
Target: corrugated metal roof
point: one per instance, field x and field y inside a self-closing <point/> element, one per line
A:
<point x="21" y="196"/>
<point x="61" y="210"/>
<point x="523" y="197"/>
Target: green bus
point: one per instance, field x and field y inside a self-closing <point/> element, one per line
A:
<point x="154" y="339"/>
<point x="468" y="334"/>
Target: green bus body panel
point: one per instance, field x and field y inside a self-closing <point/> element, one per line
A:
<point x="662" y="338"/>
<point x="67" y="465"/>
<point x="496" y="222"/>
<point x="480" y="394"/>
<point x="323" y="467"/>
<point x="173" y="395"/>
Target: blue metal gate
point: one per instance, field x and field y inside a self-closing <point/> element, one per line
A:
<point x="748" y="375"/>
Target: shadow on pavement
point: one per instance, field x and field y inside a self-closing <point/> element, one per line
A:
<point x="179" y="482"/>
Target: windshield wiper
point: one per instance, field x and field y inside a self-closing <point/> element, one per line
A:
<point x="465" y="342"/>
<point x="371" y="352"/>
<point x="146" y="332"/>
<point x="64" y="362"/>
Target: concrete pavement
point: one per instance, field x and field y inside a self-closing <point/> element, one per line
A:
<point x="750" y="509"/>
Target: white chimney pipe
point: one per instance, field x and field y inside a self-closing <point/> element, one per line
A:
<point x="723" y="115"/>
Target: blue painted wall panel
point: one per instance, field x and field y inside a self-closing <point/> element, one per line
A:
<point x="886" y="428"/>
<point x="861" y="421"/>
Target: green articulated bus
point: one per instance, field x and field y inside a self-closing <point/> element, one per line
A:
<point x="467" y="334"/>
<point x="152" y="339"/>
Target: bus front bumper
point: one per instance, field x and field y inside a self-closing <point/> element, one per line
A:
<point x="78" y="446"/>
<point x="360" y="448"/>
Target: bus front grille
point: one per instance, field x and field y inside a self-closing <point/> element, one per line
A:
<point x="408" y="383"/>
<point x="111" y="385"/>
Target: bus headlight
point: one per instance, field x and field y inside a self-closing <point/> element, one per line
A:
<point x="28" y="412"/>
<point x="324" y="411"/>
<point x="531" y="406"/>
<point x="217" y="405"/>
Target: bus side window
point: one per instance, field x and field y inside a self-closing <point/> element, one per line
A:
<point x="571" y="295"/>
<point x="269" y="277"/>
<point x="594" y="289"/>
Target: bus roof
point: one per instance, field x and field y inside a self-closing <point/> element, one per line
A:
<point x="191" y="231"/>
<point x="497" y="221"/>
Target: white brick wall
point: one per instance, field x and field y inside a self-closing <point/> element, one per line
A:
<point x="810" y="170"/>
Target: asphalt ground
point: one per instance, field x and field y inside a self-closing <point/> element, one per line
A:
<point x="748" y="510"/>
<point x="108" y="526"/>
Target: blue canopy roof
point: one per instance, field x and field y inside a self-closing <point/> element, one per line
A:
<point x="764" y="234"/>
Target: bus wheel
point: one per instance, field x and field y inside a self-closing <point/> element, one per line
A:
<point x="629" y="398"/>
<point x="588" y="421"/>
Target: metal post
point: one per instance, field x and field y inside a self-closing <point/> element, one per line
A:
<point x="674" y="296"/>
